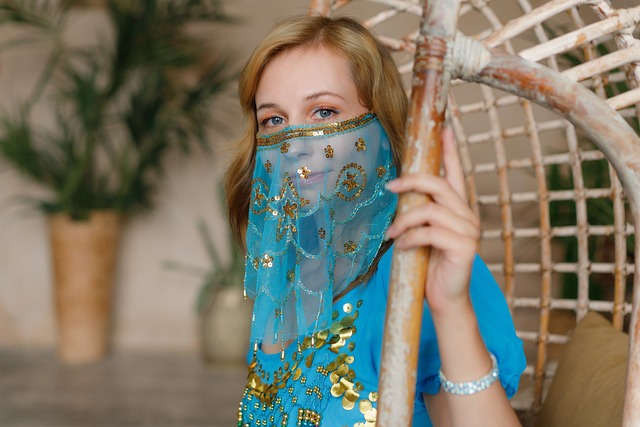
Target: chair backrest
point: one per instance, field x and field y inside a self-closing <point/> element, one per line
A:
<point x="558" y="233"/>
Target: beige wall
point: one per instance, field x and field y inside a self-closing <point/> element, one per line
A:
<point x="154" y="306"/>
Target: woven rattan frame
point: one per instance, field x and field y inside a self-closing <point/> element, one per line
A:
<point x="508" y="156"/>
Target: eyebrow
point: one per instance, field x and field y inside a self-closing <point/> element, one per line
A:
<point x="266" y="105"/>
<point x="310" y="97"/>
<point x="317" y="95"/>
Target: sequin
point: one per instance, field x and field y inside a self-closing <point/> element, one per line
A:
<point x="284" y="148"/>
<point x="350" y="183"/>
<point x="290" y="209"/>
<point x="341" y="377"/>
<point x="371" y="416"/>
<point x="353" y="179"/>
<point x="267" y="261"/>
<point x="381" y="170"/>
<point x="306" y="131"/>
<point x="297" y="374"/>
<point x="365" y="406"/>
<point x="304" y="172"/>
<point x="328" y="152"/>
<point x="361" y="144"/>
<point x="268" y="166"/>
<point x="350" y="247"/>
<point x="322" y="233"/>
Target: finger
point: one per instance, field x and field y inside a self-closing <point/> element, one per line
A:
<point x="437" y="187"/>
<point x="452" y="166"/>
<point x="438" y="238"/>
<point x="434" y="215"/>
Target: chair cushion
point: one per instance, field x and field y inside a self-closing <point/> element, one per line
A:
<point x="588" y="387"/>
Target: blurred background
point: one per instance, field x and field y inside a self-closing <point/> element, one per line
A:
<point x="125" y="108"/>
<point x="120" y="290"/>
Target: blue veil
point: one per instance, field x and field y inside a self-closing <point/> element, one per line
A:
<point x="317" y="217"/>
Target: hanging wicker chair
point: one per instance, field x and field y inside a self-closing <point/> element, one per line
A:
<point x="557" y="224"/>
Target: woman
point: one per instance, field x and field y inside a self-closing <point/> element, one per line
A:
<point x="312" y="193"/>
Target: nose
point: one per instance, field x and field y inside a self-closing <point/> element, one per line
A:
<point x="297" y="149"/>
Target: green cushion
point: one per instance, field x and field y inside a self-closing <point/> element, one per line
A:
<point x="588" y="387"/>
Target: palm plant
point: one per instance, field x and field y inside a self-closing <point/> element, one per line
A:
<point x="121" y="107"/>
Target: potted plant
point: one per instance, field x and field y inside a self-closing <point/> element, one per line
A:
<point x="119" y="109"/>
<point x="224" y="316"/>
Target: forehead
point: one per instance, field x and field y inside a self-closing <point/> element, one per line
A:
<point x="305" y="70"/>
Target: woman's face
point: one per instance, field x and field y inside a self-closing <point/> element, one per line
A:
<point x="305" y="86"/>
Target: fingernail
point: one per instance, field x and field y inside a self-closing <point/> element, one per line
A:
<point x="391" y="185"/>
<point x="388" y="234"/>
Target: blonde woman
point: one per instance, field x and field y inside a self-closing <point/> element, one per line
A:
<point x="312" y="195"/>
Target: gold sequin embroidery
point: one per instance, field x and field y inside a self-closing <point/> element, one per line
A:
<point x="361" y="144"/>
<point x="350" y="183"/>
<point x="267" y="261"/>
<point x="322" y="233"/>
<point x="304" y="172"/>
<point x="342" y="378"/>
<point x="353" y="179"/>
<point x="290" y="209"/>
<point x="328" y="152"/>
<point x="328" y="129"/>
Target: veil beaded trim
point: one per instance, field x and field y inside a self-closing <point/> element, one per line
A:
<point x="317" y="217"/>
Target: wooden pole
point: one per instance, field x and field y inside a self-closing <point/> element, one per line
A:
<point x="409" y="267"/>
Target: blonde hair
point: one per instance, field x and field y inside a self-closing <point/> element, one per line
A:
<point x="374" y="73"/>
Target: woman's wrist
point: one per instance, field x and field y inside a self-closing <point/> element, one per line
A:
<point x="449" y="308"/>
<point x="463" y="354"/>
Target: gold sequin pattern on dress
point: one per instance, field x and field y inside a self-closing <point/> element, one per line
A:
<point x="307" y="417"/>
<point x="381" y="170"/>
<point x="361" y="144"/>
<point x="314" y="131"/>
<point x="342" y="377"/>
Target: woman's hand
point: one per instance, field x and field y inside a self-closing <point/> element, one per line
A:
<point x="447" y="224"/>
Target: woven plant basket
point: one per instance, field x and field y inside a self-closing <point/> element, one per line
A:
<point x="84" y="260"/>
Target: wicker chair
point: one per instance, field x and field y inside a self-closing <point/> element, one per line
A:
<point x="539" y="184"/>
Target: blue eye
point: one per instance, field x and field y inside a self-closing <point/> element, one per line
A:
<point x="272" y="121"/>
<point x="324" y="113"/>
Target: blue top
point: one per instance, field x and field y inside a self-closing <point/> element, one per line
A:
<point x="333" y="381"/>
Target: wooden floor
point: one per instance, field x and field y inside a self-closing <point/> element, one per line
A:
<point x="132" y="389"/>
<point x="126" y="390"/>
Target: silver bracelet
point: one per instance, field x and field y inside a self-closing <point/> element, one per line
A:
<point x="471" y="387"/>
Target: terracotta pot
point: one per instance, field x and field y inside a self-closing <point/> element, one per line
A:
<point x="225" y="324"/>
<point x="84" y="259"/>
